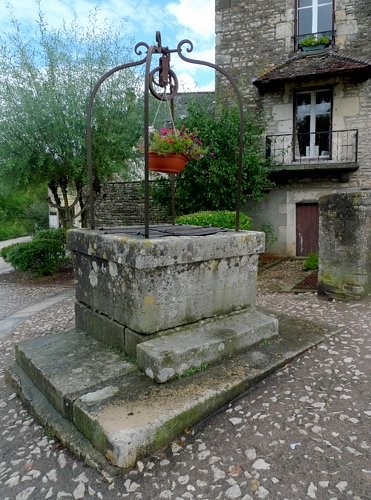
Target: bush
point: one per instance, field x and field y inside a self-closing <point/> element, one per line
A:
<point x="51" y="234"/>
<point x="270" y="237"/>
<point x="41" y="256"/>
<point x="223" y="218"/>
<point x="4" y="252"/>
<point x="311" y="262"/>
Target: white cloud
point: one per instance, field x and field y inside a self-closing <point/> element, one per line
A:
<point x="194" y="20"/>
<point x="176" y="19"/>
<point x="204" y="55"/>
<point x="195" y="16"/>
<point x="187" y="83"/>
<point x="207" y="87"/>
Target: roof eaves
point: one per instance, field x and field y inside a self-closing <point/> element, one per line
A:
<point x="264" y="82"/>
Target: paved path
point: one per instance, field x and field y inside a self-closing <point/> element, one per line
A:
<point x="302" y="433"/>
<point x="6" y="243"/>
<point x="10" y="322"/>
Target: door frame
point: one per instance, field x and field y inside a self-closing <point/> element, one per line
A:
<point x="307" y="246"/>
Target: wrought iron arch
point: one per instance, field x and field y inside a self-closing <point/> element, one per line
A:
<point x="166" y="77"/>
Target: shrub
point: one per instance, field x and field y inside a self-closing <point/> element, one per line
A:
<point x="270" y="237"/>
<point x="223" y="218"/>
<point x="41" y="256"/>
<point x="51" y="234"/>
<point x="311" y="262"/>
<point x="4" y="252"/>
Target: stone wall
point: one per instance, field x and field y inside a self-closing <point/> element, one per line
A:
<point x="251" y="37"/>
<point x="352" y="24"/>
<point x="122" y="204"/>
<point x="345" y="245"/>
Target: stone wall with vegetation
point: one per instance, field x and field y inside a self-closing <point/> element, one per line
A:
<point x="345" y="245"/>
<point x="122" y="204"/>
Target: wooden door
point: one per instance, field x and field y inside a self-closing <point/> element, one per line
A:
<point x="307" y="226"/>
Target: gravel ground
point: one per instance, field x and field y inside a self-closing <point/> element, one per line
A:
<point x="302" y="433"/>
<point x="18" y="290"/>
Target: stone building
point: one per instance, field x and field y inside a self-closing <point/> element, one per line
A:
<point x="307" y="65"/>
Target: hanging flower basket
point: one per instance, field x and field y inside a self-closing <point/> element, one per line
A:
<point x="167" y="164"/>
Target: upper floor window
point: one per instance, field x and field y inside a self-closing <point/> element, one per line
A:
<point x="314" y="16"/>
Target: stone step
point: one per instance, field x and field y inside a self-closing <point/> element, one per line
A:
<point x="65" y="365"/>
<point x="127" y="416"/>
<point x="189" y="349"/>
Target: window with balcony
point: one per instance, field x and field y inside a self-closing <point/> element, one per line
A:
<point x="313" y="142"/>
<point x="314" y="23"/>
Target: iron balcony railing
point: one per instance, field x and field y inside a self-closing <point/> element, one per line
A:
<point x="340" y="146"/>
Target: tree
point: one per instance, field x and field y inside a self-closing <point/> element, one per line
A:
<point x="22" y="212"/>
<point x="211" y="183"/>
<point x="44" y="88"/>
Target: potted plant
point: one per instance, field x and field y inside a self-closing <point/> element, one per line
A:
<point x="314" y="43"/>
<point x="171" y="149"/>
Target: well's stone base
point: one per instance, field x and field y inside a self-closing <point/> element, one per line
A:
<point x="101" y="327"/>
<point x="132" y="290"/>
<point x="186" y="350"/>
<point x="168" y="354"/>
<point x="93" y="398"/>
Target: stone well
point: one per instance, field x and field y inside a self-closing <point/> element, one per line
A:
<point x="166" y="334"/>
<point x="132" y="290"/>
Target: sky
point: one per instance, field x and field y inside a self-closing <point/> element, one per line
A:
<point x="175" y="19"/>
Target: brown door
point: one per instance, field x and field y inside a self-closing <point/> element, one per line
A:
<point x="307" y="224"/>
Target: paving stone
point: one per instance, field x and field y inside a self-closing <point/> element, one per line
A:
<point x="290" y="411"/>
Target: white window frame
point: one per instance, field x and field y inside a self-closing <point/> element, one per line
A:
<point x="315" y="9"/>
<point x="312" y="121"/>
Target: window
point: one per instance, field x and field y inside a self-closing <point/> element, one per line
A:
<point x="314" y="16"/>
<point x="313" y="124"/>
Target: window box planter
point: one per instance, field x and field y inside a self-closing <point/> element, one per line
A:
<point x="313" y="48"/>
<point x="312" y="43"/>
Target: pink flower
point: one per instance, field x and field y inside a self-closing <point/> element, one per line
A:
<point x="166" y="131"/>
